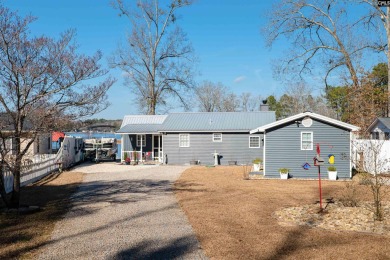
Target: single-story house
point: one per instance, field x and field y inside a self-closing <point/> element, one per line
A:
<point x="178" y="138"/>
<point x="292" y="143"/>
<point x="379" y="129"/>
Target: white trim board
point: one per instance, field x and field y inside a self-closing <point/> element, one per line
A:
<point x="302" y="115"/>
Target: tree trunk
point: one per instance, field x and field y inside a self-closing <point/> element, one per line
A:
<point x="16" y="169"/>
<point x="388" y="59"/>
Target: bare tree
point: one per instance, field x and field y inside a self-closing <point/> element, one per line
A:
<point x="215" y="97"/>
<point x="158" y="57"/>
<point x="210" y="95"/>
<point x="322" y="34"/>
<point x="299" y="98"/>
<point x="376" y="18"/>
<point x="371" y="157"/>
<point x="248" y="102"/>
<point x="40" y="83"/>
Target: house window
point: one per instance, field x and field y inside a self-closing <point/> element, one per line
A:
<point x="387" y="136"/>
<point x="217" y="137"/>
<point x="307" y="141"/>
<point x="141" y="138"/>
<point x="9" y="145"/>
<point x="254" y="141"/>
<point x="184" y="140"/>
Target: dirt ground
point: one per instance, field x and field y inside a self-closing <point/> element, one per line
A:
<point x="22" y="235"/>
<point x="235" y="218"/>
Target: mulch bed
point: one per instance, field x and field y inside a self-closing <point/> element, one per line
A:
<point x="272" y="219"/>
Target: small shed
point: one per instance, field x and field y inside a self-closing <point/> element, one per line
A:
<point x="379" y="129"/>
<point x="291" y="143"/>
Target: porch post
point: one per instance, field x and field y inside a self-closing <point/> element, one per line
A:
<point x="141" y="147"/>
<point x="158" y="154"/>
<point x="122" y="147"/>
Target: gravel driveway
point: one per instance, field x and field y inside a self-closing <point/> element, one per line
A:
<point x="125" y="212"/>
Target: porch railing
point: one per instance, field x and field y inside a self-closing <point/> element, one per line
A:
<point x="138" y="156"/>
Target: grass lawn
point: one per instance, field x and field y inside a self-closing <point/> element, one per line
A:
<point x="22" y="235"/>
<point x="235" y="218"/>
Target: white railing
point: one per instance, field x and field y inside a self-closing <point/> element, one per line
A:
<point x="138" y="156"/>
<point x="33" y="169"/>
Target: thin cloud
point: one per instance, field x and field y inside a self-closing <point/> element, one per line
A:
<point x="239" y="79"/>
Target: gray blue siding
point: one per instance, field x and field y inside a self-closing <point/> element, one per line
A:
<point x="234" y="147"/>
<point x="130" y="143"/>
<point x="283" y="149"/>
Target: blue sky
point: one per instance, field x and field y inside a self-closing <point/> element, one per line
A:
<point x="224" y="33"/>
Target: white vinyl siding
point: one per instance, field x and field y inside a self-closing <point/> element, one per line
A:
<point x="184" y="140"/>
<point x="254" y="141"/>
<point x="306" y="140"/>
<point x="139" y="139"/>
<point x="217" y="137"/>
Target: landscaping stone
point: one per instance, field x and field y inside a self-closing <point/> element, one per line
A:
<point x="337" y="217"/>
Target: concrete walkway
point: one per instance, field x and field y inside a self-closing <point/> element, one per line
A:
<point x="125" y="212"/>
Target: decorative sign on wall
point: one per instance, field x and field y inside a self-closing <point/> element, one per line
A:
<point x="331" y="158"/>
<point x="306" y="166"/>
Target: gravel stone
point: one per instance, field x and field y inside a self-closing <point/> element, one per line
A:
<point x="337" y="217"/>
<point x="124" y="212"/>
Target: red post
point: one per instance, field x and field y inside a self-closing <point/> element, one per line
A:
<point x="319" y="175"/>
<point x="319" y="185"/>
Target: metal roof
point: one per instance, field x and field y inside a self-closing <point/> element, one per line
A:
<point x="216" y="121"/>
<point x="384" y="120"/>
<point x="139" y="129"/>
<point x="263" y="128"/>
<point x="143" y="119"/>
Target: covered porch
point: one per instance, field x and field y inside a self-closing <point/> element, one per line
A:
<point x="142" y="147"/>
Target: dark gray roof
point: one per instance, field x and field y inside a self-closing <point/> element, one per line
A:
<point x="216" y="121"/>
<point x="139" y="129"/>
<point x="385" y="121"/>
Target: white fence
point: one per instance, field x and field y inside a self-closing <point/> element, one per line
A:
<point x="372" y="156"/>
<point x="36" y="167"/>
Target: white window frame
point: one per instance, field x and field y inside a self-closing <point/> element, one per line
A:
<point x="139" y="140"/>
<point x="310" y="148"/>
<point x="259" y="141"/>
<point x="217" y="139"/>
<point x="184" y="143"/>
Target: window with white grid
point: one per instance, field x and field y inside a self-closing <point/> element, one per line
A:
<point x="306" y="140"/>
<point x="254" y="141"/>
<point x="184" y="140"/>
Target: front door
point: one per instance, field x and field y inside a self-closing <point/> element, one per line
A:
<point x="157" y="148"/>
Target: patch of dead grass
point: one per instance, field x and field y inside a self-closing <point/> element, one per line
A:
<point x="23" y="235"/>
<point x="234" y="218"/>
